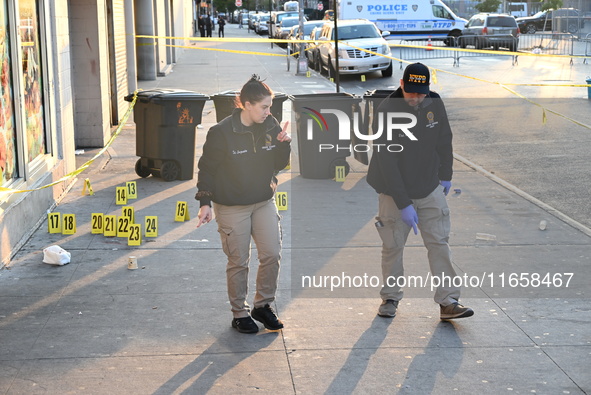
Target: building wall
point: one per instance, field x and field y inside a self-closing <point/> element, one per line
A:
<point x="77" y="96"/>
<point x="22" y="213"/>
<point x="90" y="54"/>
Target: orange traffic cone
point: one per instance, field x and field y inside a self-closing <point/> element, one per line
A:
<point x="429" y="45"/>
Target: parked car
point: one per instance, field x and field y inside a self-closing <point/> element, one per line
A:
<point x="562" y="20"/>
<point x="312" y="48"/>
<point x="251" y="19"/>
<point x="491" y="30"/>
<point x="295" y="34"/>
<point x="285" y="26"/>
<point x="359" y="33"/>
<point x="276" y="17"/>
<point x="261" y="26"/>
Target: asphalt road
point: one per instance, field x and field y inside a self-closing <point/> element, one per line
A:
<point x="546" y="155"/>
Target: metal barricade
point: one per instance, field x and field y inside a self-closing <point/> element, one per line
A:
<point x="489" y="46"/>
<point x="587" y="41"/>
<point x="547" y="43"/>
<point x="407" y="49"/>
<point x="484" y="46"/>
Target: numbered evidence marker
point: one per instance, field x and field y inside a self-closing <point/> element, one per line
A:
<point x="110" y="225"/>
<point x="340" y="174"/>
<point x="69" y="224"/>
<point x="128" y="211"/>
<point x="151" y="226"/>
<point x="135" y="235"/>
<point x="281" y="200"/>
<point x="182" y="212"/>
<point x="121" y="196"/>
<point x="54" y="223"/>
<point x="123" y="224"/>
<point x="97" y="221"/>
<point x="131" y="190"/>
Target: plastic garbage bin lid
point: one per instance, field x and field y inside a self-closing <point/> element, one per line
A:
<point x="167" y="94"/>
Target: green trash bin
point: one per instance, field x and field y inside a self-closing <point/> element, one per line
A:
<point x="319" y="146"/>
<point x="225" y="103"/>
<point x="166" y="120"/>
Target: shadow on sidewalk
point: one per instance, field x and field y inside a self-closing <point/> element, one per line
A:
<point x="225" y="354"/>
<point x="421" y="376"/>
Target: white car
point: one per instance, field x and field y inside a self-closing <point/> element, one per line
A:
<point x="296" y="34"/>
<point x="363" y="53"/>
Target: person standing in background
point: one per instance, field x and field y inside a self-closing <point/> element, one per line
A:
<point x="221" y="24"/>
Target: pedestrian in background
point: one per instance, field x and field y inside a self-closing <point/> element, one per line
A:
<point x="221" y="24"/>
<point x="208" y="25"/>
<point x="241" y="157"/>
<point x="412" y="185"/>
<point x="201" y="25"/>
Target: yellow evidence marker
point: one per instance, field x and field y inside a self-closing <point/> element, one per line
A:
<point x="121" y="196"/>
<point x="54" y="223"/>
<point x="69" y="224"/>
<point x="110" y="227"/>
<point x="182" y="212"/>
<point x="281" y="200"/>
<point x="97" y="221"/>
<point x="151" y="226"/>
<point x="135" y="235"/>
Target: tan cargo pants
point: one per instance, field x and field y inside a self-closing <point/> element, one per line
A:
<point x="236" y="225"/>
<point x="434" y="225"/>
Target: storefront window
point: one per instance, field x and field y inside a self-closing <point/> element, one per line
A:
<point x="7" y="121"/>
<point x="32" y="73"/>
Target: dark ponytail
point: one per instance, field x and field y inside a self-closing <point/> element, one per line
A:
<point x="253" y="91"/>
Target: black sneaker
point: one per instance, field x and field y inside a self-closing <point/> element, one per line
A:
<point x="245" y="325"/>
<point x="267" y="316"/>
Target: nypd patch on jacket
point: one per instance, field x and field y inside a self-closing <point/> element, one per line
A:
<point x="416" y="169"/>
<point x="239" y="164"/>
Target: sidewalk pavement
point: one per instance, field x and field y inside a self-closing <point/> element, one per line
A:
<point x="95" y="327"/>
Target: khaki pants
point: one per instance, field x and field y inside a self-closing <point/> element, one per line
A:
<point x="434" y="226"/>
<point x="236" y="225"/>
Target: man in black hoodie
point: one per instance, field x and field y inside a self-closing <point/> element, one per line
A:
<point x="413" y="180"/>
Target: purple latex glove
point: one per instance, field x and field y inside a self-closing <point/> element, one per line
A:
<point x="410" y="217"/>
<point x="446" y="186"/>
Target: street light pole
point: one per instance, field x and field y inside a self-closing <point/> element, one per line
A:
<point x="299" y="63"/>
<point x="336" y="46"/>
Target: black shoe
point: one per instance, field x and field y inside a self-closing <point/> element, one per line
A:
<point x="267" y="316"/>
<point x="245" y="325"/>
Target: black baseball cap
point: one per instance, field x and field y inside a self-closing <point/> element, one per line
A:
<point x="416" y="78"/>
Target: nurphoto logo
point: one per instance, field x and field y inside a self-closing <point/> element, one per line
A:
<point x="388" y="122"/>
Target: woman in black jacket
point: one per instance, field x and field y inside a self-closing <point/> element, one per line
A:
<point x="241" y="157"/>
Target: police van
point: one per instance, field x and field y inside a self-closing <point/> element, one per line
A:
<point x="406" y="19"/>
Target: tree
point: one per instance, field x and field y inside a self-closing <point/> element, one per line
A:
<point x="551" y="4"/>
<point x="224" y="5"/>
<point x="489" y="5"/>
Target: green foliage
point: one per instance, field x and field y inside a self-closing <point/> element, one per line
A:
<point x="227" y="5"/>
<point x="551" y="4"/>
<point x="488" y="6"/>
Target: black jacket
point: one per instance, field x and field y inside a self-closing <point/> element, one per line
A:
<point x="238" y="166"/>
<point x="414" y="172"/>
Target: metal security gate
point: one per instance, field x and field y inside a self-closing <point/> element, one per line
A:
<point x="117" y="59"/>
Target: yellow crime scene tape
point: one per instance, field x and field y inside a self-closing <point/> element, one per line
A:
<point x="87" y="163"/>
<point x="282" y="41"/>
<point x="502" y="85"/>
